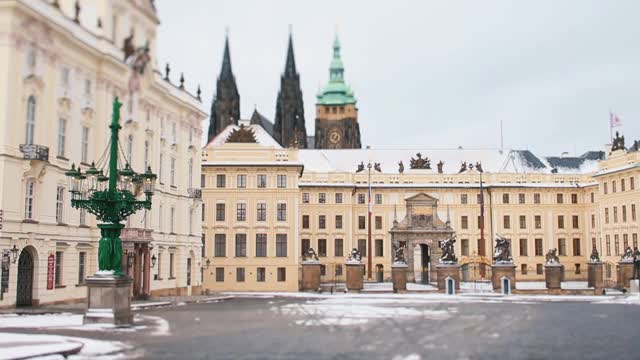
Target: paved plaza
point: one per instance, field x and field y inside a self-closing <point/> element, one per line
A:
<point x="372" y="326"/>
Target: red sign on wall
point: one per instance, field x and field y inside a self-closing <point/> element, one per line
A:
<point x="51" y="268"/>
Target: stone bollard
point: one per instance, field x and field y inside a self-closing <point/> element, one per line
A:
<point x="355" y="273"/>
<point x="445" y="271"/>
<point x="399" y="276"/>
<point x="553" y="275"/>
<point x="595" y="277"/>
<point x="310" y="275"/>
<point x="625" y="273"/>
<point x="502" y="270"/>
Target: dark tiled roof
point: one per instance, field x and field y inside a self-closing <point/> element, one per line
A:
<point x="259" y="119"/>
<point x="529" y="159"/>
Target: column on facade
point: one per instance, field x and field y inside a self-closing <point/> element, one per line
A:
<point x="147" y="271"/>
<point x="137" y="270"/>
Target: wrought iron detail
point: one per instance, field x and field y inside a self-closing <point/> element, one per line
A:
<point x="35" y="152"/>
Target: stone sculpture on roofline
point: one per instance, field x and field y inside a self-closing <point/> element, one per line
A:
<point x="552" y="257"/>
<point x="448" y="254"/>
<point x="310" y="255"/>
<point x="419" y="162"/>
<point x="355" y="256"/>
<point x="502" y="251"/>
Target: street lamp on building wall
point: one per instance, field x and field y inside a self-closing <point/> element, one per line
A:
<point x="109" y="195"/>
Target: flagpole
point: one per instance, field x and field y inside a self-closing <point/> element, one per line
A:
<point x="481" y="250"/>
<point x="370" y="210"/>
<point x="611" y="126"/>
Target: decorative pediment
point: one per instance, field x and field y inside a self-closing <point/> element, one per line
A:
<point x="422" y="198"/>
<point x="242" y="135"/>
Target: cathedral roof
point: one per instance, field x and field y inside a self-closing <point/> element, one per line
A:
<point x="336" y="92"/>
<point x="259" y="119"/>
<point x="225" y="71"/>
<point x="290" y="67"/>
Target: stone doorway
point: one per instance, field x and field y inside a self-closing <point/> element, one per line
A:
<point x="425" y="263"/>
<point x="24" y="288"/>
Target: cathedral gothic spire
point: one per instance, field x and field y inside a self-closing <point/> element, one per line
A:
<point x="225" y="109"/>
<point x="289" y="128"/>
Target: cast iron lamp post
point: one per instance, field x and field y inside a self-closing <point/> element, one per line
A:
<point x="110" y="197"/>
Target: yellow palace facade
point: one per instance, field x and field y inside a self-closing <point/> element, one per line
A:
<point x="263" y="205"/>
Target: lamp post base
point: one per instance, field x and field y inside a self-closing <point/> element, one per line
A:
<point x="108" y="300"/>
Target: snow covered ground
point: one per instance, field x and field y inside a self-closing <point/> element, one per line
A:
<point x="155" y="325"/>
<point x="44" y="346"/>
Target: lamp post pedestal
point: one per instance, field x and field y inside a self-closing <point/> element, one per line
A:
<point x="108" y="300"/>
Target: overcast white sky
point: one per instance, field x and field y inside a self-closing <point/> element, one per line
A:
<point x="429" y="73"/>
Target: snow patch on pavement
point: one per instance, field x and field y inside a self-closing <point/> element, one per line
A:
<point x="29" y="345"/>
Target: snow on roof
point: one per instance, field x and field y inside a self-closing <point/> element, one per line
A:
<point x="262" y="136"/>
<point x="492" y="160"/>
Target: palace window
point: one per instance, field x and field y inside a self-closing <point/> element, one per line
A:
<point x="606" y="215"/>
<point x="59" y="204"/>
<point x="62" y="135"/>
<point x="506" y="222"/>
<point x="241" y="212"/>
<point x="378" y="222"/>
<point x="241" y="181"/>
<point x="379" y="247"/>
<point x="361" y="222"/>
<point x="560" y="221"/>
<point x="538" y="243"/>
<point x="282" y="212"/>
<point x="306" y="245"/>
<point x="605" y="189"/>
<point x="84" y="146"/>
<point x="523" y="269"/>
<point x="464" y="199"/>
<point x="577" y="269"/>
<point x="281" y="245"/>
<point x="262" y="181"/>
<point x="322" y="198"/>
<point x="262" y="212"/>
<point x="221" y="180"/>
<point x="562" y="247"/>
<point x="172" y="220"/>
<point x="282" y="274"/>
<point x="634" y="238"/>
<point x="322" y="222"/>
<point x="338" y="198"/>
<point x="464" y="247"/>
<point x="378" y="198"/>
<point x="220" y="242"/>
<point x="305" y="221"/>
<point x="632" y="183"/>
<point x="559" y="198"/>
<point x="130" y="150"/>
<point x="593" y="197"/>
<point x="539" y="269"/>
<point x="613" y="186"/>
<point x="615" y="214"/>
<point x="220" y="211"/>
<point x="172" y="267"/>
<point x="576" y="247"/>
<point x="219" y="274"/>
<point x="240" y="274"/>
<point x="58" y="269"/>
<point x="31" y="120"/>
<point x="29" y="198"/>
<point x="261" y="274"/>
<point x="338" y="221"/>
<point x="338" y="270"/>
<point x="282" y="181"/>
<point x="536" y="198"/>
<point x="82" y="263"/>
<point x="633" y="212"/>
<point x="523" y="222"/>
<point x="575" y="221"/>
<point x="261" y="245"/>
<point x="616" y="243"/>
<point x="322" y="247"/>
<point x="521" y="199"/>
<point x="338" y="247"/>
<point x="83" y="217"/>
<point x="361" y="199"/>
<point x="608" y="244"/>
<point x="173" y="171"/>
<point x="479" y="198"/>
<point x="523" y="247"/>
<point x="625" y="241"/>
<point x="624" y="213"/>
<point x="480" y="222"/>
<point x="593" y="221"/>
<point x="160" y="166"/>
<point x="241" y="245"/>
<point x="574" y="198"/>
<point x="305" y="198"/>
<point x="505" y="198"/>
<point x="362" y="247"/>
<point x="464" y="222"/>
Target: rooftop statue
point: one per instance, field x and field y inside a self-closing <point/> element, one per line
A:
<point x="310" y="255"/>
<point x="618" y="142"/>
<point x="399" y="255"/>
<point x="595" y="256"/>
<point x="479" y="167"/>
<point x="440" y="166"/>
<point x="463" y="167"/>
<point x="377" y="167"/>
<point x="420" y="163"/>
<point x="448" y="254"/>
<point x="400" y="167"/>
<point x="355" y="255"/>
<point x="502" y="251"/>
<point x="360" y="167"/>
<point x="552" y="257"/>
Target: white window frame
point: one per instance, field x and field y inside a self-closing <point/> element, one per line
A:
<point x="30" y="187"/>
<point x="59" y="204"/>
<point x="84" y="145"/>
<point x="31" y="120"/>
<point x="62" y="135"/>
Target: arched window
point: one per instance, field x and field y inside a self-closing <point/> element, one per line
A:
<point x="146" y="154"/>
<point x="31" y="119"/>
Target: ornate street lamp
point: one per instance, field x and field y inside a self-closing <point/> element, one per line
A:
<point x="153" y="261"/>
<point x="14" y="253"/>
<point x="110" y="198"/>
<point x="207" y="263"/>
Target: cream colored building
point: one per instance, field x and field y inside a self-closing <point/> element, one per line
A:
<point x="61" y="68"/>
<point x="538" y="202"/>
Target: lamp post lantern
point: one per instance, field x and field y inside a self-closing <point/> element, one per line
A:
<point x="111" y="198"/>
<point x="110" y="204"/>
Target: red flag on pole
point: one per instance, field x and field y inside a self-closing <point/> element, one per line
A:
<point x="614" y="120"/>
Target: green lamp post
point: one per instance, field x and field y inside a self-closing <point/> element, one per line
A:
<point x="110" y="197"/>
